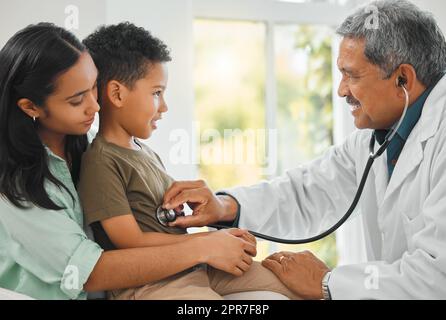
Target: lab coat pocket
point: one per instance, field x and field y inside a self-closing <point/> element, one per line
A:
<point x="413" y="223"/>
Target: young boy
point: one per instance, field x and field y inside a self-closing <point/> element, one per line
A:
<point x="123" y="181"/>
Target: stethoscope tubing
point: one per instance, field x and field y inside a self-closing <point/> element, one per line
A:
<point x="373" y="156"/>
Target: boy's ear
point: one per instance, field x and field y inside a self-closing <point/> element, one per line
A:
<point x="29" y="108"/>
<point x="116" y="93"/>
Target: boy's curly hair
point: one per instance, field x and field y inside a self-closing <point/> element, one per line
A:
<point x="123" y="52"/>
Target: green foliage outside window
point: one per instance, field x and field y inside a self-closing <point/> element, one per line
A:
<point x="230" y="80"/>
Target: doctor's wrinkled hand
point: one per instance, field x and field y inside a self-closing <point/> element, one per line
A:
<point x="301" y="272"/>
<point x="207" y="207"/>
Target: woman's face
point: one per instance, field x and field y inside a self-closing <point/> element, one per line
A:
<point x="71" y="108"/>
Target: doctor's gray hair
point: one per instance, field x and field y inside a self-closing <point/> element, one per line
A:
<point x="403" y="34"/>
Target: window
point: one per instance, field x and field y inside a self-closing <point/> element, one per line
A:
<point x="229" y="100"/>
<point x="304" y="91"/>
<point x="234" y="108"/>
<point x="303" y="60"/>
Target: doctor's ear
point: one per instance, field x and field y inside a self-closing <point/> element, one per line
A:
<point x="116" y="93"/>
<point x="406" y="76"/>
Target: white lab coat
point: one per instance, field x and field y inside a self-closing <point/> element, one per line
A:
<point x="404" y="219"/>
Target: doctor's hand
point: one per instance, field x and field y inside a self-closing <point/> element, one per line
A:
<point x="301" y="272"/>
<point x="207" y="207"/>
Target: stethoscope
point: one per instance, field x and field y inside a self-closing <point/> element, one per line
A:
<point x="165" y="216"/>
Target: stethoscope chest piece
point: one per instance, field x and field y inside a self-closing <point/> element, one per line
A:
<point x="165" y="216"/>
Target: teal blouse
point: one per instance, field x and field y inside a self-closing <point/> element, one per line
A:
<point x="46" y="254"/>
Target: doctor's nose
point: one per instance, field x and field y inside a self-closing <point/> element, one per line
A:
<point x="343" y="89"/>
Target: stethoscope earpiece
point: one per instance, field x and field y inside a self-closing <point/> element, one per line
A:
<point x="401" y="82"/>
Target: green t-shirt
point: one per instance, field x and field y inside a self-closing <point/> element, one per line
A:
<point x="116" y="181"/>
<point x="45" y="254"/>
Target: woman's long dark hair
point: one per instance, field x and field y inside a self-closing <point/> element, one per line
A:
<point x="30" y="63"/>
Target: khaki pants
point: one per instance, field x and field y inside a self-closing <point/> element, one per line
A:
<point x="205" y="283"/>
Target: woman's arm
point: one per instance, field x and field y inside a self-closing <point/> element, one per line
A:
<point x="224" y="250"/>
<point x="53" y="247"/>
<point x="135" y="267"/>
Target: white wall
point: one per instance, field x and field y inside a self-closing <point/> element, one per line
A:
<point x="271" y="10"/>
<point x="437" y="7"/>
<point x="172" y="22"/>
<point x="17" y="14"/>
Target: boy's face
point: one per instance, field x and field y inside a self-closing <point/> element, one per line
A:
<point x="145" y="104"/>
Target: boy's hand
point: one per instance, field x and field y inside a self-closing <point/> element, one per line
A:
<point x="248" y="237"/>
<point x="227" y="250"/>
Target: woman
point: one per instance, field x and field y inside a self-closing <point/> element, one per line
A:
<point x="48" y="100"/>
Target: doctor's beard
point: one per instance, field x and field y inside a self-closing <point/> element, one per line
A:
<point x="354" y="104"/>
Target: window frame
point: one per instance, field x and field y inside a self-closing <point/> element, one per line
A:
<point x="272" y="13"/>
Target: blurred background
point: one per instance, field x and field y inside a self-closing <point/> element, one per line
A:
<point x="252" y="86"/>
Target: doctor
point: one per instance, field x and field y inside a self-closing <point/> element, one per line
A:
<point x="404" y="200"/>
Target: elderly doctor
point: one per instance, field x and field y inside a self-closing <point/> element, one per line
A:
<point x="404" y="199"/>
